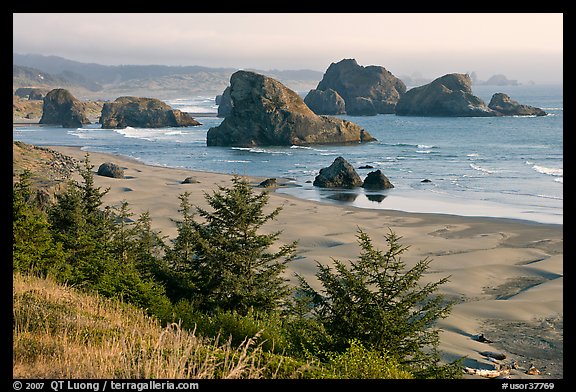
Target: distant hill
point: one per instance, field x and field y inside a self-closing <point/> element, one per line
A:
<point x="32" y="77"/>
<point x="96" y="81"/>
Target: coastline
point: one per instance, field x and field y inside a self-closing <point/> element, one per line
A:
<point x="506" y="275"/>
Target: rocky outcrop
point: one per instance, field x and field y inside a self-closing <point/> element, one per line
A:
<point x="225" y="103"/>
<point x="49" y="170"/>
<point x="61" y="108"/>
<point x="268" y="183"/>
<point x="267" y="113"/>
<point x="498" y="80"/>
<point x="33" y="93"/>
<point x="508" y="107"/>
<point x="450" y="95"/>
<point x="325" y="102"/>
<point x="376" y="180"/>
<point x="340" y="174"/>
<point x="365" y="90"/>
<point x="109" y="169"/>
<point x="143" y="113"/>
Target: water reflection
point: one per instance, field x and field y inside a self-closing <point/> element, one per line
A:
<point x="344" y="197"/>
<point x="376" y="197"/>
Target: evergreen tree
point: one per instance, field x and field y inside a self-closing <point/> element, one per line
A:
<point x="228" y="263"/>
<point x="378" y="302"/>
<point x="33" y="249"/>
<point x="133" y="272"/>
<point x="84" y="229"/>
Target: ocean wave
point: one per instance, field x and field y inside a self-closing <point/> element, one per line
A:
<point x="550" y="197"/>
<point x="548" y="170"/>
<point x="232" y="161"/>
<point x="483" y="170"/>
<point x="257" y="150"/>
<point x="402" y="145"/>
<point x="423" y="151"/>
<point x="173" y="133"/>
<point x="293" y="147"/>
<point x="81" y="133"/>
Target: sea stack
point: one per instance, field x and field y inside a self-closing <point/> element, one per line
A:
<point x="267" y="113"/>
<point x="350" y="88"/>
<point x="450" y="96"/>
<point x="62" y="108"/>
<point x="143" y="113"/>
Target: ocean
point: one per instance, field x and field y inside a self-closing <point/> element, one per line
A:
<point x="506" y="167"/>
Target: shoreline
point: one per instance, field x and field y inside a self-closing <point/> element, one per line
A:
<point x="506" y="275"/>
<point x="402" y="202"/>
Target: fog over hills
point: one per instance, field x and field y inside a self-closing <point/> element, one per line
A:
<point x="96" y="81"/>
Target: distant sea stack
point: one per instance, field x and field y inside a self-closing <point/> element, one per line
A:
<point x="62" y="108"/>
<point x="349" y="88"/>
<point x="450" y="95"/>
<point x="504" y="104"/>
<point x="224" y="103"/>
<point x="143" y="113"/>
<point x="266" y="113"/>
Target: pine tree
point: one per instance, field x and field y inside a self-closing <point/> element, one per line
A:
<point x="227" y="261"/>
<point x="84" y="230"/>
<point x="33" y="248"/>
<point x="380" y="303"/>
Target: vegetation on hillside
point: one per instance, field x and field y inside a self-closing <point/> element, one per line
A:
<point x="95" y="286"/>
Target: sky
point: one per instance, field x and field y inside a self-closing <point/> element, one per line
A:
<point x="522" y="46"/>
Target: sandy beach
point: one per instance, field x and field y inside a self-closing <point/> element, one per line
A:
<point x="506" y="276"/>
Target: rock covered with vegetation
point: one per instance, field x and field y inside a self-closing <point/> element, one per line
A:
<point x="143" y="113"/>
<point x="265" y="113"/>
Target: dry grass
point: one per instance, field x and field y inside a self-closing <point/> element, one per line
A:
<point x="60" y="333"/>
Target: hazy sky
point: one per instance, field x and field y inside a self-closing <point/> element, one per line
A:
<point x="523" y="46"/>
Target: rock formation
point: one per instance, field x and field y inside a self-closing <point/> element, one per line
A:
<point x="268" y="183"/>
<point x="49" y="169"/>
<point x="508" y="107"/>
<point x="450" y="95"/>
<point x="61" y="108"/>
<point x="143" y="113"/>
<point x="365" y="90"/>
<point x="32" y="93"/>
<point x="376" y="180"/>
<point x="267" y="113"/>
<point x="340" y="174"/>
<point x="109" y="169"/>
<point x="325" y="102"/>
<point x="225" y="103"/>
